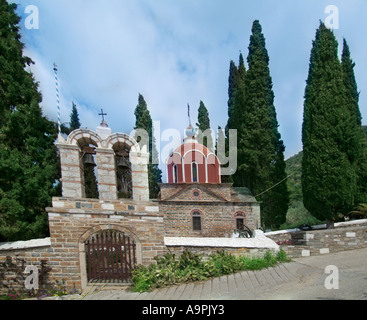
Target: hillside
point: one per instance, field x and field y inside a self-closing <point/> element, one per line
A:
<point x="297" y="214"/>
<point x="294" y="168"/>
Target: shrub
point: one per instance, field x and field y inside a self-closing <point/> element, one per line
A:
<point x="191" y="267"/>
<point x="282" y="256"/>
<point x="224" y="263"/>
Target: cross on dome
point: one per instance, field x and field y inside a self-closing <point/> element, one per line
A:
<point x="190" y="131"/>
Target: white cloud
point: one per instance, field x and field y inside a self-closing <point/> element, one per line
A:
<point x="177" y="52"/>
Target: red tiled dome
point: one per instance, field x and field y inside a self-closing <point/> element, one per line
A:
<point x="193" y="162"/>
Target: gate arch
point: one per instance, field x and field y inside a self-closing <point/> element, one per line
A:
<point x="107" y="255"/>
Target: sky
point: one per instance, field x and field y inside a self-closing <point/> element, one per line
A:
<point x="176" y="53"/>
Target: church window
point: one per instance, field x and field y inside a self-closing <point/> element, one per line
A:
<point x="196" y="221"/>
<point x="175" y="174"/>
<point x="240" y="220"/>
<point x="195" y="194"/>
<point x="194" y="172"/>
<point x="239" y="223"/>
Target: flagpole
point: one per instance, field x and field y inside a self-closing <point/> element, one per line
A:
<point x="58" y="99"/>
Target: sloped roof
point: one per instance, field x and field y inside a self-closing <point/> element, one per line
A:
<point x="182" y="188"/>
<point x="242" y="194"/>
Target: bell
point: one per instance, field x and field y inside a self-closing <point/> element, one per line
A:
<point x="122" y="163"/>
<point x="88" y="159"/>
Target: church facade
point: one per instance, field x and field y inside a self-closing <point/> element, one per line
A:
<point x="194" y="201"/>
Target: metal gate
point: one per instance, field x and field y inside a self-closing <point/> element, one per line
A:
<point x="110" y="257"/>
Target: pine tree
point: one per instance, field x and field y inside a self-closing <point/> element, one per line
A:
<point x="28" y="161"/>
<point x="328" y="133"/>
<point x="144" y="121"/>
<point x="203" y="125"/>
<point x="361" y="142"/>
<point x="261" y="163"/>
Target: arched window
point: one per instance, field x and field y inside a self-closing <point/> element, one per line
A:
<point x="175" y="174"/>
<point x="194" y="172"/>
<point x="196" y="221"/>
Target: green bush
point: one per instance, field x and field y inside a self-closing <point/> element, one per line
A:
<point x="282" y="256"/>
<point x="191" y="267"/>
<point x="224" y="263"/>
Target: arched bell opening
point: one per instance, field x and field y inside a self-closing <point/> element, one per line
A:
<point x="123" y="170"/>
<point x="88" y="167"/>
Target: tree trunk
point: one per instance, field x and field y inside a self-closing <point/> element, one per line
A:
<point x="330" y="224"/>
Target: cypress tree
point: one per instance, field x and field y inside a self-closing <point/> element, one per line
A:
<point x="236" y="96"/>
<point x="328" y="133"/>
<point x="260" y="148"/>
<point x="203" y="125"/>
<point x="232" y="87"/>
<point x="361" y="142"/>
<point x="28" y="161"/>
<point x="235" y="86"/>
<point x="74" y="118"/>
<point x="144" y="121"/>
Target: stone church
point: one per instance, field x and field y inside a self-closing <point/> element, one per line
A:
<point x="194" y="209"/>
<point x="193" y="202"/>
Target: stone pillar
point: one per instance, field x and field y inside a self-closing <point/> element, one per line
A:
<point x="256" y="214"/>
<point x="107" y="185"/>
<point x="139" y="175"/>
<point x="72" y="172"/>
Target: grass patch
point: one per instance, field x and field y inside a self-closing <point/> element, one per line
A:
<point x="191" y="267"/>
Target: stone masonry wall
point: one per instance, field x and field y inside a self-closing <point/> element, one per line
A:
<point x="13" y="261"/>
<point x="218" y="219"/>
<point x="72" y="172"/>
<point x="178" y="203"/>
<point x="72" y="221"/>
<point x="345" y="236"/>
<point x="207" y="251"/>
<point x="107" y="185"/>
<point x="60" y="260"/>
<point x="72" y="168"/>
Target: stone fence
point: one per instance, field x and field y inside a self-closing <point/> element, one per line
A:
<point x="256" y="246"/>
<point x="16" y="256"/>
<point x="344" y="236"/>
<point x="61" y="259"/>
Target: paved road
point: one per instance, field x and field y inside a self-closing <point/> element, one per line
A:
<point x="303" y="278"/>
